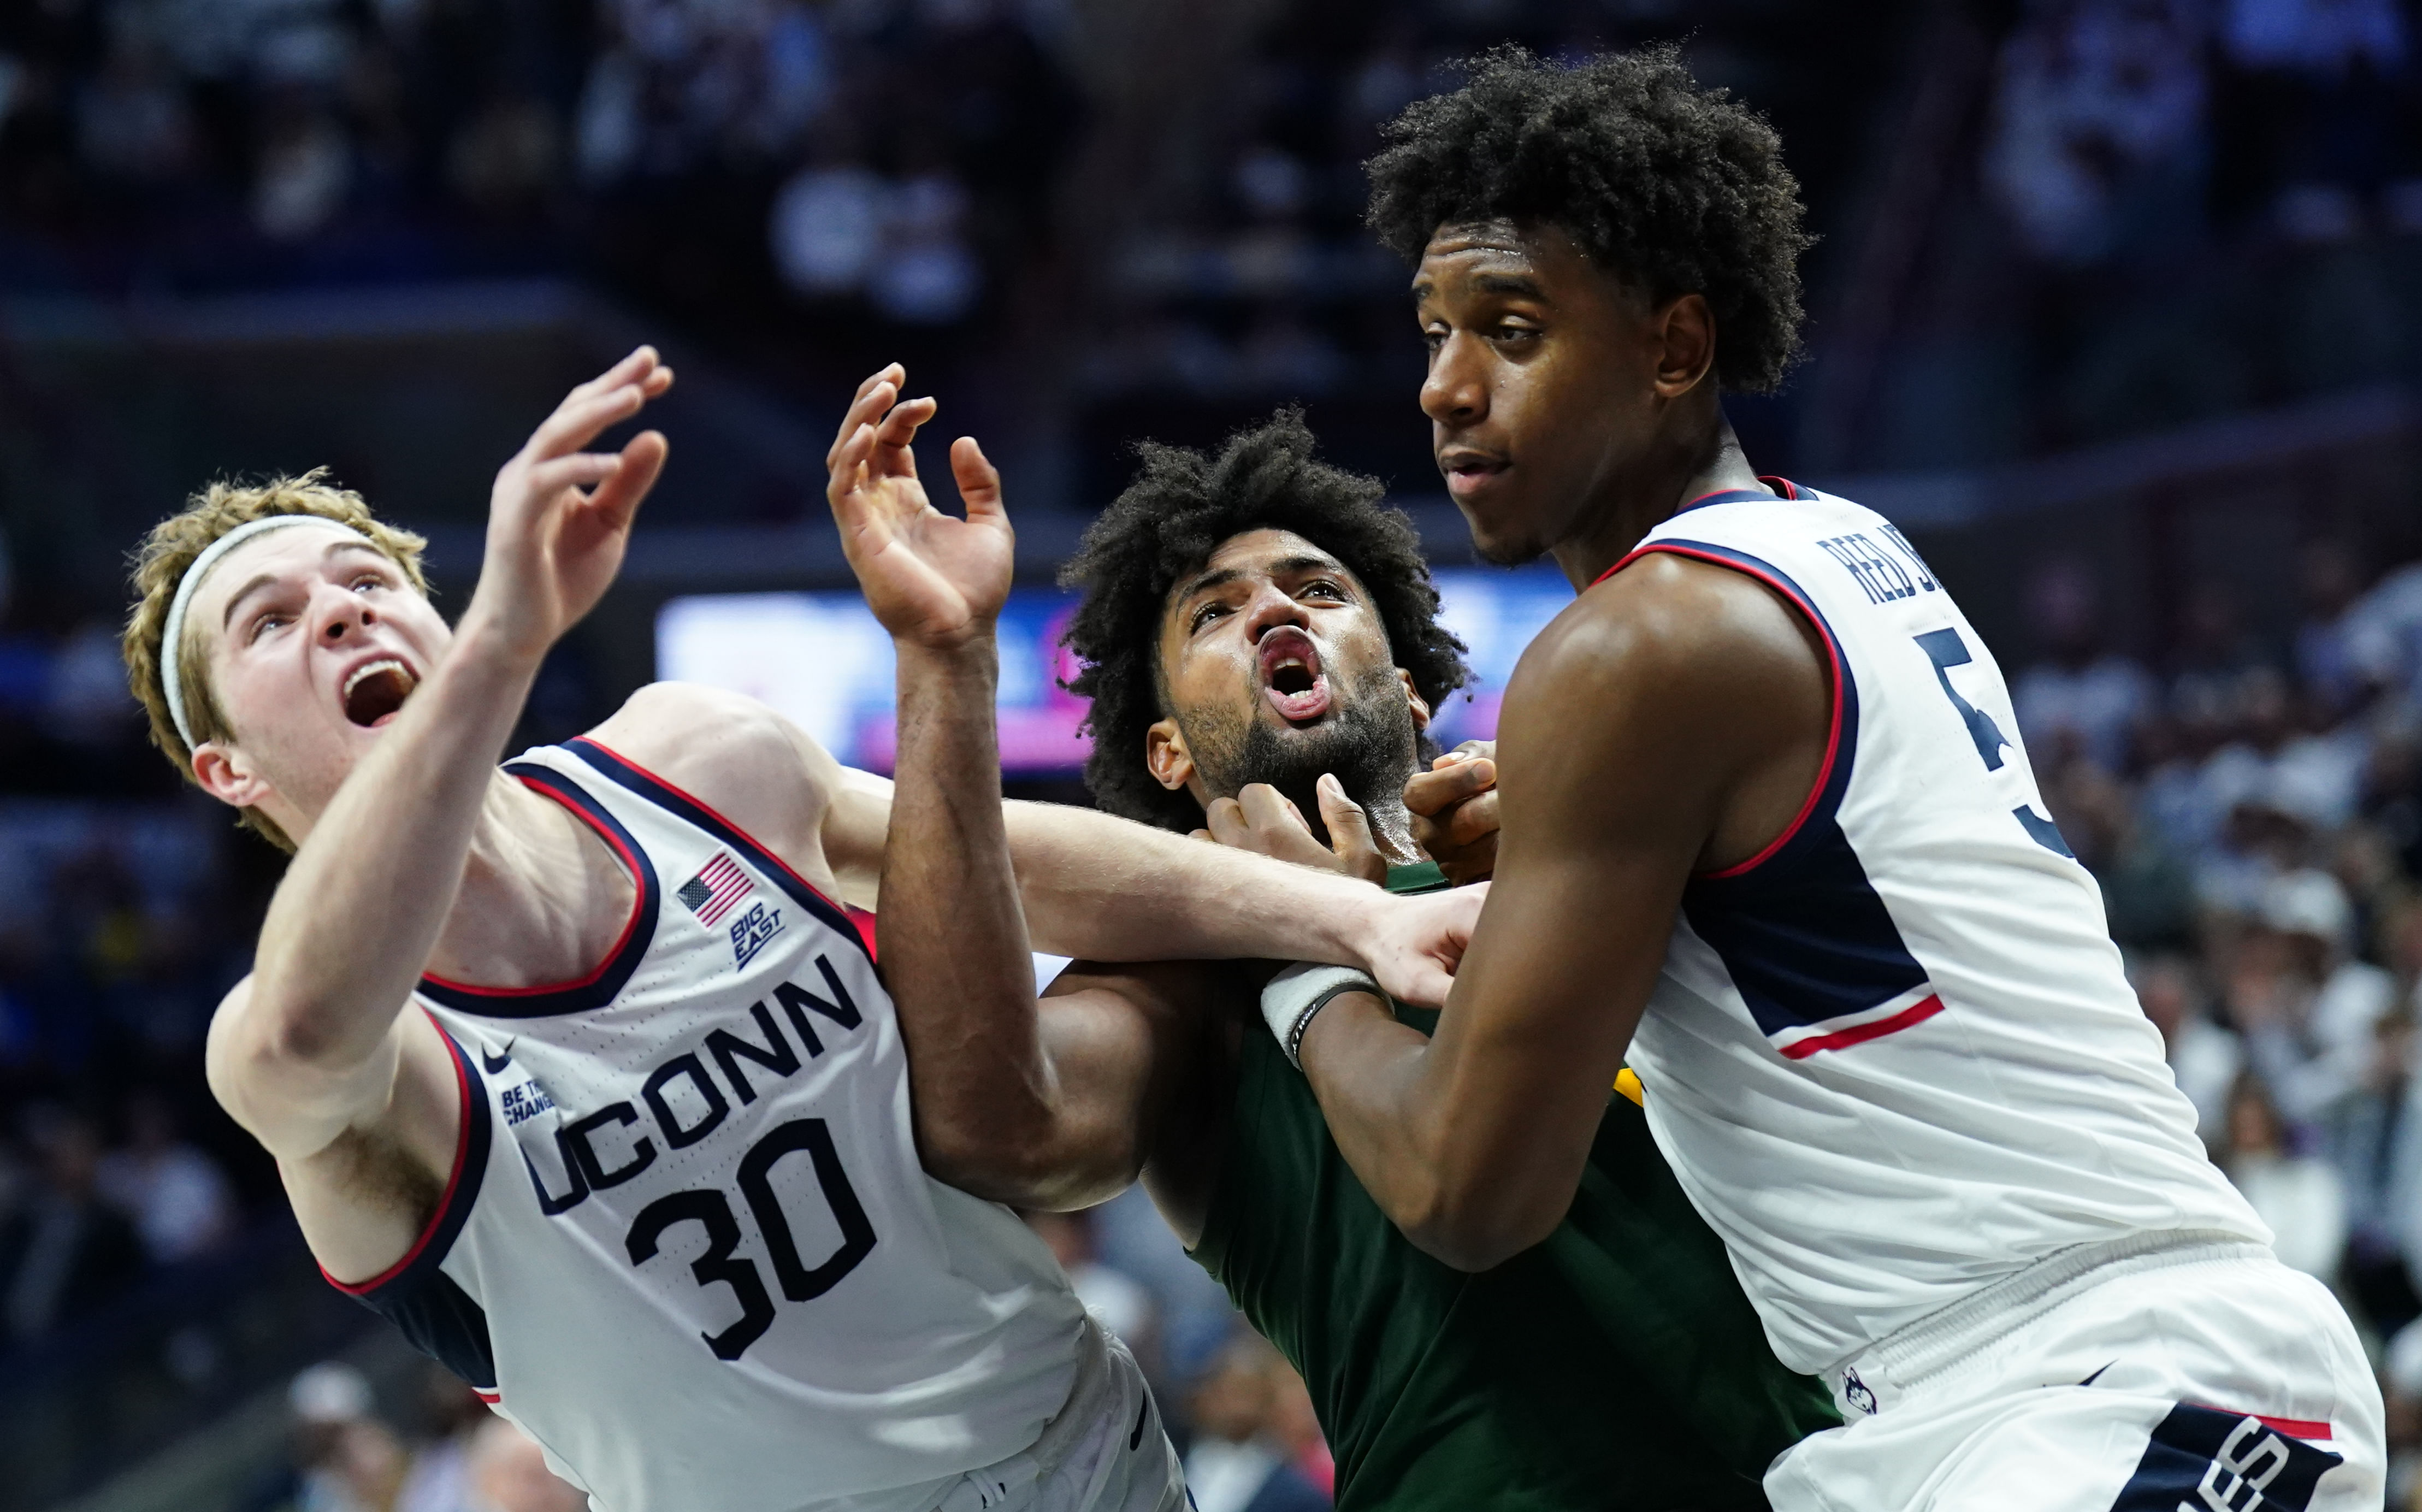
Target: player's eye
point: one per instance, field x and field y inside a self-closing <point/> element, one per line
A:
<point x="1204" y="615"/>
<point x="1507" y="331"/>
<point x="265" y="624"/>
<point x="369" y="580"/>
<point x="1324" y="588"/>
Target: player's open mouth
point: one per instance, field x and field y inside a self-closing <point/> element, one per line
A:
<point x="1291" y="676"/>
<point x="376" y="690"/>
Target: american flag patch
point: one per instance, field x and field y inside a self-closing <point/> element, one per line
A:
<point x="717" y="886"/>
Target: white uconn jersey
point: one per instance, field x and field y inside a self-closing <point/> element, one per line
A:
<point x="1894" y="1057"/>
<point x="687" y="1244"/>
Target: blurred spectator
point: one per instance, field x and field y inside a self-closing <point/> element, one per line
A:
<point x="2094" y="97"/>
<point x="1238" y="1463"/>
<point x="2147" y="892"/>
<point x="2300" y="1198"/>
<point x="439" y="1479"/>
<point x="2204" y="1058"/>
<point x="509" y="1474"/>
<point x="179" y="1198"/>
<point x="2308" y="1007"/>
<point x="63" y="1251"/>
<point x="1116" y="1302"/>
<point x="350" y="1461"/>
<point x="2082" y="697"/>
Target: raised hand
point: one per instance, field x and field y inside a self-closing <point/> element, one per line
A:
<point x="930" y="579"/>
<point x="1454" y="807"/>
<point x="559" y="518"/>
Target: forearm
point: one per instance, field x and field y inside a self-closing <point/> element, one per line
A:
<point x="1428" y="1138"/>
<point x="1108" y="889"/>
<point x="353" y="922"/>
<point x="953" y="934"/>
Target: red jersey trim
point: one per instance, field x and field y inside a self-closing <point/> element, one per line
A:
<point x="2292" y="1427"/>
<point x="621" y="942"/>
<point x="1834" y="673"/>
<point x="453" y="1179"/>
<point x="708" y="808"/>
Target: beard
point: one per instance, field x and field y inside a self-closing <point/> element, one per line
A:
<point x="1368" y="741"/>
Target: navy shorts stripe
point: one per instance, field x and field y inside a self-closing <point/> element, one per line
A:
<point x="2202" y="1457"/>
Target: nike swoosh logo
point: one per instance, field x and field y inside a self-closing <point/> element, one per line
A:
<point x="2097" y="1375"/>
<point x="494" y="1064"/>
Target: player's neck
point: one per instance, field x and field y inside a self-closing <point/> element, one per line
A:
<point x="542" y="899"/>
<point x="1705" y="458"/>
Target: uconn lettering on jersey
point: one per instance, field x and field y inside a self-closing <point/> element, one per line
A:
<point x="686" y="1102"/>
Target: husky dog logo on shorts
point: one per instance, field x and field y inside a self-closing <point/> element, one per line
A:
<point x="2202" y="1459"/>
<point x="1858" y="1394"/>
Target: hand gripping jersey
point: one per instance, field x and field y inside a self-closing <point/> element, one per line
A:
<point x="1893" y="1056"/>
<point x="687" y="1244"/>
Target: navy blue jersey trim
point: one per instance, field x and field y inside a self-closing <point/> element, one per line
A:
<point x="1800" y="928"/>
<point x="602" y="985"/>
<point x="1784" y="492"/>
<point x="1816" y="814"/>
<point x="690" y="810"/>
<point x="428" y="1252"/>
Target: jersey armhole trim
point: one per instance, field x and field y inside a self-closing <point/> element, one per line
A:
<point x="688" y="806"/>
<point x="1841" y="727"/>
<point x="462" y="1183"/>
<point x="601" y="986"/>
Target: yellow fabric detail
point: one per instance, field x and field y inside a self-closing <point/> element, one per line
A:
<point x="1626" y="1082"/>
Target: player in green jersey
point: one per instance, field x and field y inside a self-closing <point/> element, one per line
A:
<point x="1262" y="644"/>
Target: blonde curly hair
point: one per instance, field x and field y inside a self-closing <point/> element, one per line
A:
<point x="160" y="565"/>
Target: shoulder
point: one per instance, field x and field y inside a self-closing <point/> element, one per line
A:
<point x="716" y="743"/>
<point x="732" y="753"/>
<point x="1670" y="625"/>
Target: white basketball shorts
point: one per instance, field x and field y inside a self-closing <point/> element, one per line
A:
<point x="2160" y="1373"/>
<point x="1105" y="1451"/>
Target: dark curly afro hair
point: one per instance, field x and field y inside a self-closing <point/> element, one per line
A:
<point x="1178" y="509"/>
<point x="1674" y="188"/>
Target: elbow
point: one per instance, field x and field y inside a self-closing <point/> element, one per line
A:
<point x="1477" y="1226"/>
<point x="1021" y="1164"/>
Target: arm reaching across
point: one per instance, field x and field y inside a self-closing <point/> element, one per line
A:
<point x="313" y="1044"/>
<point x="1707" y="696"/>
<point x="1003" y="1108"/>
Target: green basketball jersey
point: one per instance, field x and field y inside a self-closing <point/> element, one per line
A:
<point x="1614" y="1366"/>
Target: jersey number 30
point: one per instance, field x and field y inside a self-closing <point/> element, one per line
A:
<point x="712" y="1211"/>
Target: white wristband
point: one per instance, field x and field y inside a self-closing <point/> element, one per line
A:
<point x="1300" y="991"/>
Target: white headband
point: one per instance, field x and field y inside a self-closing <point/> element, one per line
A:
<point x="193" y="579"/>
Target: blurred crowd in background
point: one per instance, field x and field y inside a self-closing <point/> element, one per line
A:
<point x="2120" y="215"/>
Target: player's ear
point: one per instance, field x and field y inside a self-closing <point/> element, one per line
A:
<point x="1687" y="330"/>
<point x="226" y="774"/>
<point x="1166" y="757"/>
<point x="1414" y="701"/>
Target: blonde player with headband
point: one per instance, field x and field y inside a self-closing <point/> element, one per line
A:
<point x="578" y="1071"/>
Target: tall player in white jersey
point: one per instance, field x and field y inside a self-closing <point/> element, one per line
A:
<point x="1767" y="827"/>
<point x="578" y="1071"/>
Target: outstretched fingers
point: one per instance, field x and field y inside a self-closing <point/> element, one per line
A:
<point x="859" y="515"/>
<point x="637" y="368"/>
<point x="979" y="480"/>
<point x="618" y="495"/>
